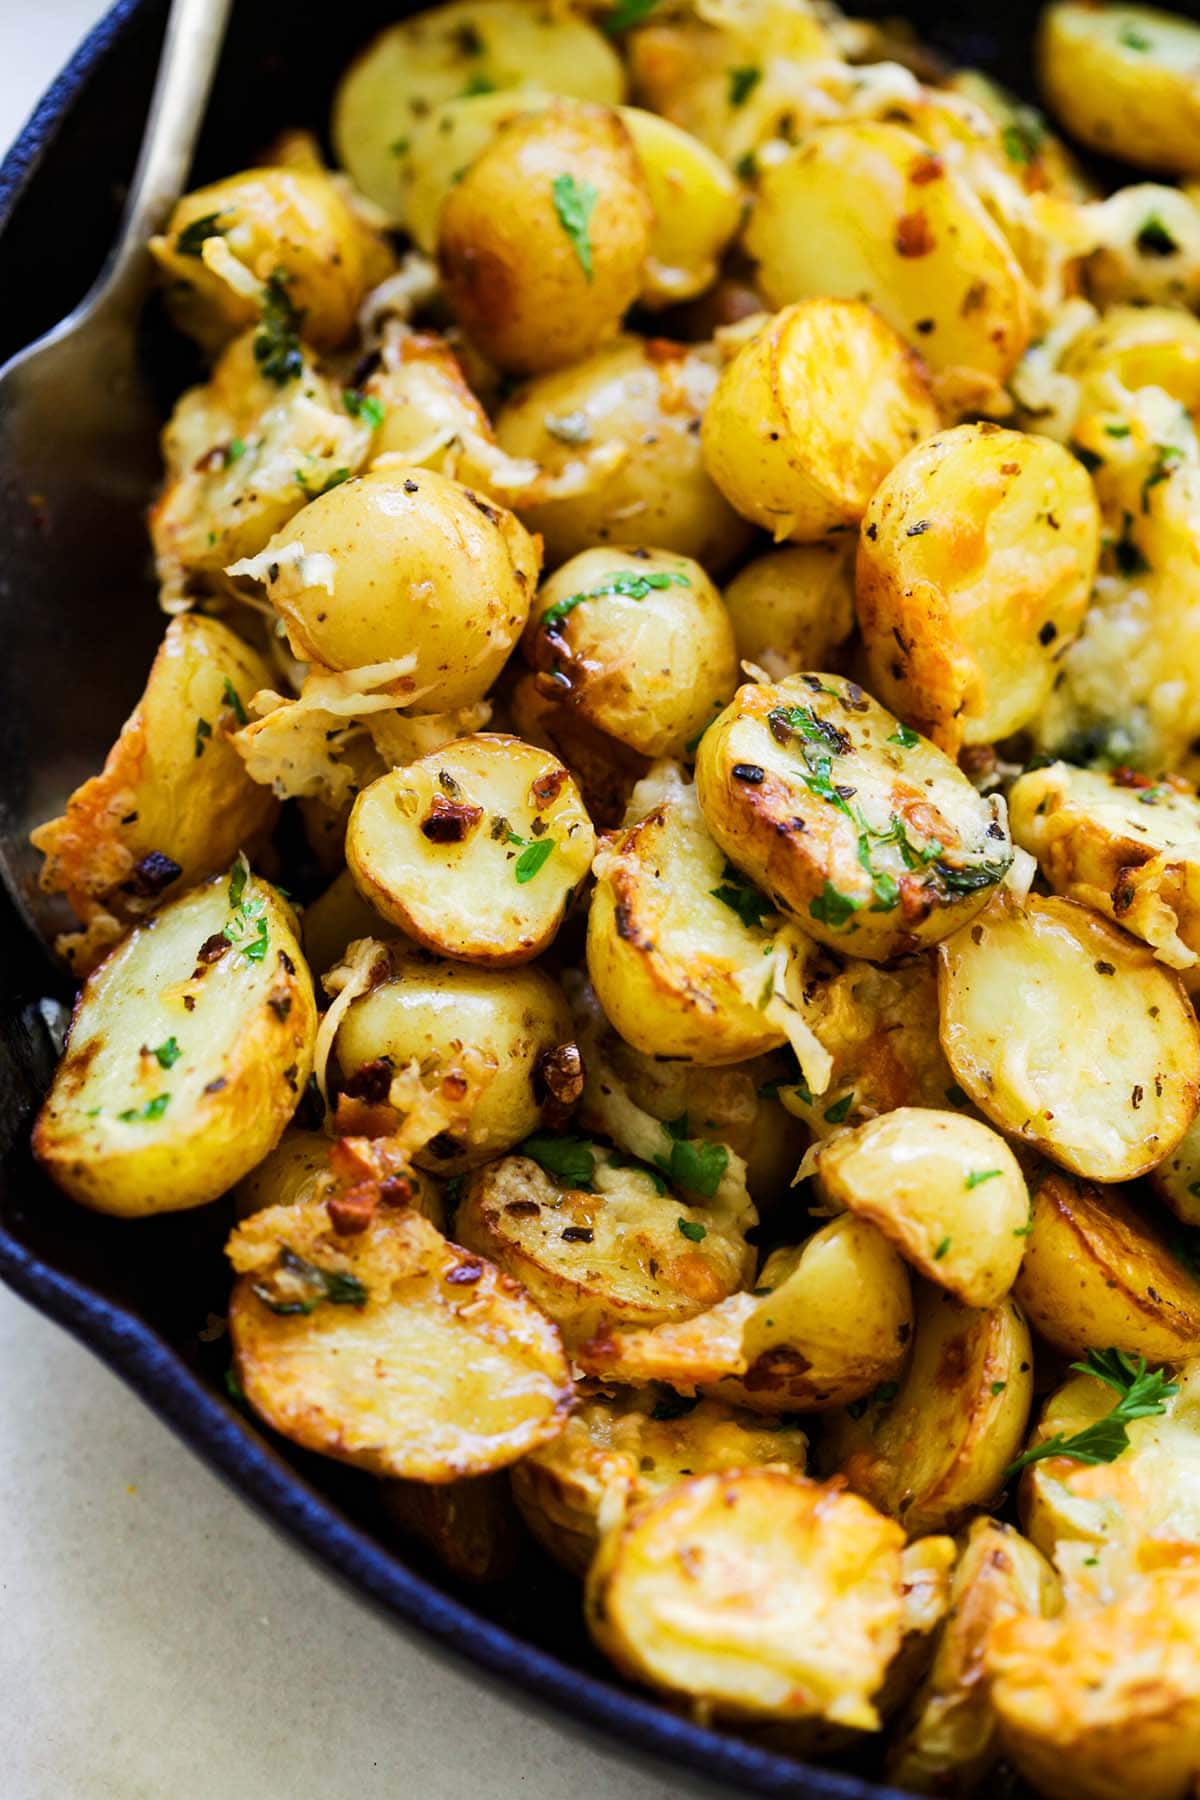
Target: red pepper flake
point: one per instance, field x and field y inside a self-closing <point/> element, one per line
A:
<point x="913" y="235"/>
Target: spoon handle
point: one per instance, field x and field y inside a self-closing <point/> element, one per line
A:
<point x="191" y="47"/>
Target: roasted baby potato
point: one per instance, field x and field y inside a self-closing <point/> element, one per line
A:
<point x="630" y="418"/>
<point x="677" y="950"/>
<point x="477" y="850"/>
<point x="1069" y="1035"/>
<point x="1121" y="843"/>
<point x="636" y="641"/>
<point x="189" y="1049"/>
<point x="975" y="564"/>
<point x="867" y="210"/>
<point x="469" y="46"/>
<point x="849" y="822"/>
<point x="793" y="609"/>
<point x="406" y="569"/>
<point x="1098" y="1272"/>
<point x="929" y="1451"/>
<point x="828" y="1321"/>
<point x="334" y="919"/>
<point x="390" y="1348"/>
<point x="309" y="1165"/>
<point x="1098" y="1704"/>
<point x="1123" y="80"/>
<point x="619" y="1449"/>
<point x="809" y="416"/>
<point x="523" y="1067"/>
<point x="173" y="802"/>
<point x="945" y="1189"/>
<point x="605" y="771"/>
<point x="754" y="1594"/>
<point x="543" y="242"/>
<point x="603" y="1245"/>
<point x="279" y="245"/>
<point x="948" y="1738"/>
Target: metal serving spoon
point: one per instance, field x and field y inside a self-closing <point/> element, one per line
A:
<point x="78" y="462"/>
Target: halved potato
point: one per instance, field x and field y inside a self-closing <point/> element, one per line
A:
<point x="173" y="803"/>
<point x="477" y="850"/>
<point x="634" y="412"/>
<point x="975" y="565"/>
<point x="828" y="1321"/>
<point x="1098" y="1272"/>
<point x="862" y="831"/>
<point x="189" y="1049"/>
<point x="1070" y="1036"/>
<point x="948" y="1739"/>
<point x="468" y="46"/>
<point x="1099" y="1704"/>
<point x="753" y="1594"/>
<point x="867" y="210"/>
<point x="524" y="1067"/>
<point x="471" y="1526"/>
<point x="1121" y="843"/>
<point x="1123" y="79"/>
<point x="620" y="1449"/>
<point x="793" y="609"/>
<point x="1176" y="1180"/>
<point x="638" y="643"/>
<point x="809" y="416"/>
<point x="942" y="1187"/>
<point x="389" y="1347"/>
<point x="609" y="1246"/>
<point x="309" y="1165"/>
<point x="939" y="1446"/>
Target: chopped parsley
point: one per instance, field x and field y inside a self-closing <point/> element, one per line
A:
<point x="693" y="1162"/>
<point x="153" y="1109"/>
<point x="1165" y="458"/>
<point x="478" y="84"/>
<point x="741" y="897"/>
<point x="941" y="1250"/>
<point x="692" y="1229"/>
<point x="978" y="1176"/>
<point x="1132" y="39"/>
<point x="232" y="699"/>
<point x="277" y="340"/>
<point x="167" y="1054"/>
<point x="742" y="83"/>
<point x="1154" y="239"/>
<point x="191" y="240"/>
<point x="1143" y="1394"/>
<point x="880" y="1396"/>
<point x="904" y="737"/>
<point x="836" y="1113"/>
<point x="203" y="733"/>
<point x="364" y="406"/>
<point x="235" y="449"/>
<point x="1023" y="136"/>
<point x="629" y="584"/>
<point x="299" y="1286"/>
<point x="623" y="14"/>
<point x="247" y="928"/>
<point x="569" y="1159"/>
<point x="833" y="908"/>
<point x="535" y="856"/>
<point x="573" y="202"/>
<point x="332" y="481"/>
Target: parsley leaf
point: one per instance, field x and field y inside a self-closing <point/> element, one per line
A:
<point x="630" y="584"/>
<point x="904" y="737"/>
<point x="1143" y="1394"/>
<point x="573" y="202"/>
<point x="364" y="406"/>
<point x="299" y="1286"/>
<point x="277" y="340"/>
<point x="693" y="1162"/>
<point x="978" y="1176"/>
<point x="167" y="1054"/>
<point x="836" y="1113"/>
<point x="625" y="13"/>
<point x="153" y="1109"/>
<point x="692" y="1228"/>
<point x="247" y="928"/>
<point x="534" y="857"/>
<point x="742" y="83"/>
<point x="1023" y="136"/>
<point x="1154" y="239"/>
<point x="941" y="1250"/>
<point x="833" y="908"/>
<point x="232" y="699"/>
<point x="203" y="733"/>
<point x="190" y="241"/>
<point x="569" y="1159"/>
<point x="735" y="892"/>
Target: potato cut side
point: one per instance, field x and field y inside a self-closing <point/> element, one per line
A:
<point x="948" y="1738"/>
<point x="1123" y="844"/>
<point x="868" y="210"/>
<point x="1103" y="1703"/>
<point x="756" y="1594"/>
<point x="852" y="824"/>
<point x="476" y="850"/>
<point x="391" y="1348"/>
<point x="615" y="1248"/>
<point x="975" y="565"/>
<point x="810" y="415"/>
<point x="1123" y="80"/>
<point x="188" y="1052"/>
<point x="1098" y="1272"/>
<point x="618" y="1450"/>
<point x="173" y="803"/>
<point x="929" y="1451"/>
<point x="828" y="1321"/>
<point x="942" y="1187"/>
<point x="1069" y="1035"/>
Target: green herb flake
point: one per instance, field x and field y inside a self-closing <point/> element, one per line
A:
<point x="693" y="1162"/>
<point x="833" y="908"/>
<point x="1155" y="240"/>
<point x="203" y="733"/>
<point x="167" y="1054"/>
<point x="623" y="14"/>
<point x="746" y="166"/>
<point x="1023" y="136"/>
<point x="628" y="584"/>
<point x="978" y="1176"/>
<point x="1025" y="1230"/>
<point x="837" y="1113"/>
<point x="1166" y="456"/>
<point x="399" y="146"/>
<point x="692" y="1229"/>
<point x="533" y="858"/>
<point x="191" y="240"/>
<point x="478" y="84"/>
<point x="153" y="1109"/>
<point x="277" y="340"/>
<point x="573" y="202"/>
<point x="742" y="83"/>
<point x="1142" y="1394"/>
<point x="233" y="1386"/>
<point x="298" y="1286"/>
<point x="998" y="1387"/>
<point x="941" y="1250"/>
<point x="1130" y="38"/>
<point x="247" y="928"/>
<point x="232" y="699"/>
<point x="904" y="737"/>
<point x="569" y="1159"/>
<point x="235" y="449"/>
<point x="364" y="406"/>
<point x="1117" y="431"/>
<point x="742" y="898"/>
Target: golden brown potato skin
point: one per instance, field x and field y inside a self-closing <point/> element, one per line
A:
<point x="542" y="243"/>
<point x="648" y="656"/>
<point x="1123" y="80"/>
<point x="1098" y="1273"/>
<point x="975" y="565"/>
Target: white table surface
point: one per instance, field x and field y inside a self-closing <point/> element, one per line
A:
<point x="157" y="1640"/>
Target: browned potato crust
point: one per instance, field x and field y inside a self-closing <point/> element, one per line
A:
<point x="470" y="1525"/>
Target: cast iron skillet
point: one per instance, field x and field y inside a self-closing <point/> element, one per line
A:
<point x="139" y="1294"/>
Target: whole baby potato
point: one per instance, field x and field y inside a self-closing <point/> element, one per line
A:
<point x="542" y="243"/>
<point x="1125" y="80"/>
<point x="793" y="609"/>
<point x="638" y="642"/>
<point x="403" y="563"/>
